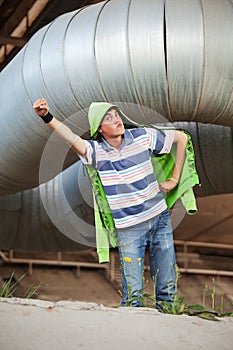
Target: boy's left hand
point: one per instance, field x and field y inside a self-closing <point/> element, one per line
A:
<point x="167" y="186"/>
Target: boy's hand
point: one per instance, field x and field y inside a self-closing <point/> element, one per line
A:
<point x="41" y="107"/>
<point x="167" y="186"/>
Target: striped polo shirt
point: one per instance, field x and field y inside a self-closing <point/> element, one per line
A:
<point x="127" y="175"/>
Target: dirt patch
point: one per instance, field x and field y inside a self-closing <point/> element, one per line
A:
<point x="63" y="284"/>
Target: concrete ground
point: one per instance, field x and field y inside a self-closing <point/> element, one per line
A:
<point x="35" y="324"/>
<point x="87" y="324"/>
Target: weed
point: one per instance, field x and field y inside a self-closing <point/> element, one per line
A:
<point x="9" y="287"/>
<point x="179" y="305"/>
<point x="139" y="297"/>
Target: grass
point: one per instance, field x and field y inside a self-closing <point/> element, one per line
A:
<point x="9" y="288"/>
<point x="180" y="305"/>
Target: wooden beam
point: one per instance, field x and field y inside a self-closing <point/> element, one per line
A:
<point x="19" y="42"/>
<point x="19" y="13"/>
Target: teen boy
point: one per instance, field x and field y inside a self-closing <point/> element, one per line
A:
<point x="122" y="158"/>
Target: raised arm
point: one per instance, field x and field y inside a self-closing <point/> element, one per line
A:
<point x="181" y="139"/>
<point x="76" y="142"/>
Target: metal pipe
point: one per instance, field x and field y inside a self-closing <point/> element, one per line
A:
<point x="207" y="272"/>
<point x="204" y="244"/>
<point x="31" y="261"/>
<point x="34" y="219"/>
<point x="161" y="57"/>
<point x="172" y="57"/>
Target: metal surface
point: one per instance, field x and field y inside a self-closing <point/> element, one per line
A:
<point x="146" y="54"/>
<point x="185" y="56"/>
<point x="20" y="19"/>
<point x="217" y="92"/>
<point x="170" y="57"/>
<point x="67" y="198"/>
<point x="25" y="224"/>
<point x="174" y="57"/>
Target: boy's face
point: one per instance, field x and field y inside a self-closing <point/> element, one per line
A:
<point x="112" y="124"/>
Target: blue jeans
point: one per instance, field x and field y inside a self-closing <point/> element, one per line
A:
<point x="132" y="242"/>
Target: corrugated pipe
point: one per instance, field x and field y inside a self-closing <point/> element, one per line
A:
<point x="172" y="57"/>
<point x="25" y="224"/>
<point x="168" y="60"/>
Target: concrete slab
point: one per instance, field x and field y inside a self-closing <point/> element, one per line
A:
<point x="44" y="325"/>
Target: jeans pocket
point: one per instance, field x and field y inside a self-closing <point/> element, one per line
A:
<point x="164" y="218"/>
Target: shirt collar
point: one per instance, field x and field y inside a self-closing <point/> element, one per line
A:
<point x="127" y="140"/>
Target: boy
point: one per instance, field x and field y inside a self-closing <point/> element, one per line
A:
<point x="122" y="158"/>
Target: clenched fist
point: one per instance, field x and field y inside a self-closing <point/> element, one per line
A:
<point x="41" y="107"/>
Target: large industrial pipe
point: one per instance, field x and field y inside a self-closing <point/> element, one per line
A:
<point x="172" y="57"/>
<point x="33" y="220"/>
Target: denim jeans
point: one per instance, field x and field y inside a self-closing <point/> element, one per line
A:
<point x="132" y="242"/>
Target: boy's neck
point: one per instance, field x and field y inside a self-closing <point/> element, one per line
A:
<point x="115" y="141"/>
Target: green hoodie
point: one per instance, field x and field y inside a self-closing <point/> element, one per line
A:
<point x="97" y="112"/>
<point x="163" y="167"/>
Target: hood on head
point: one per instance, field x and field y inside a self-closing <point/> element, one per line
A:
<point x="96" y="113"/>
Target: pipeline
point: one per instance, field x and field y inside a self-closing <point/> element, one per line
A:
<point x="170" y="59"/>
<point x="33" y="220"/>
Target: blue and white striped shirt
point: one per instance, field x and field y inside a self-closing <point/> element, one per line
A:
<point x="127" y="175"/>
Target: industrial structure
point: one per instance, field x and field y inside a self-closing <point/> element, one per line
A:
<point x="162" y="61"/>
